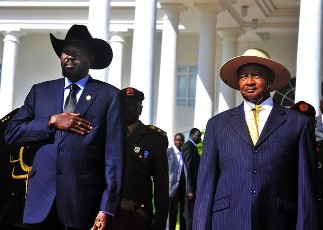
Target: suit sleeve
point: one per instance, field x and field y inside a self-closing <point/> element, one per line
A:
<point x="115" y="155"/>
<point x="307" y="179"/>
<point x="161" y="191"/>
<point x="207" y="181"/>
<point x="24" y="127"/>
<point x="188" y="161"/>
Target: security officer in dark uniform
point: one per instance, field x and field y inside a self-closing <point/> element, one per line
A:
<point x="15" y="164"/>
<point x="4" y="161"/>
<point x="309" y="110"/>
<point x="146" y="172"/>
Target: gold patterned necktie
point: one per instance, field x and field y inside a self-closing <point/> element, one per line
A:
<point x="253" y="123"/>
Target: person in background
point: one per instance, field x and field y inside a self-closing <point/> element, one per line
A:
<point x="306" y="109"/>
<point x="319" y="141"/>
<point x="146" y="173"/>
<point x="191" y="160"/>
<point x="78" y="126"/>
<point x="177" y="183"/>
<point x="258" y="169"/>
<point x="15" y="163"/>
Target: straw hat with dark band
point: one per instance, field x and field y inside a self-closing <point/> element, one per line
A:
<point x="79" y="34"/>
<point x="229" y="70"/>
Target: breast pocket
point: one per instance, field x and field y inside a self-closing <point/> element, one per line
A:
<point x="221" y="204"/>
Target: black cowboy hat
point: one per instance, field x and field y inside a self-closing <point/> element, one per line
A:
<point x="79" y="34"/>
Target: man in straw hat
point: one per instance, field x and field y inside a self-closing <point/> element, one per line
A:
<point x="258" y="167"/>
<point x="78" y="127"/>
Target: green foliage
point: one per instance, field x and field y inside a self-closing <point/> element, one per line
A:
<point x="200" y="145"/>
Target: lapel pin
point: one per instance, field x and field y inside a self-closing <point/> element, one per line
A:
<point x="136" y="149"/>
<point x="88" y="97"/>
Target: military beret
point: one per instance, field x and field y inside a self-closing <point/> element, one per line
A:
<point x="304" y="108"/>
<point x="132" y="93"/>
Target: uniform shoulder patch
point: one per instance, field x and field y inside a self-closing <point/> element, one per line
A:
<point x="158" y="130"/>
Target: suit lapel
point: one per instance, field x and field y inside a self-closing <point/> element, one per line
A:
<point x="58" y="93"/>
<point x="89" y="94"/>
<point x="276" y="118"/>
<point x="56" y="105"/>
<point x="238" y="122"/>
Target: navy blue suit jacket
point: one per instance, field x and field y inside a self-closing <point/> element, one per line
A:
<point x="270" y="186"/>
<point x="83" y="173"/>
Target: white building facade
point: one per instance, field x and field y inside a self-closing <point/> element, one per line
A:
<point x="171" y="50"/>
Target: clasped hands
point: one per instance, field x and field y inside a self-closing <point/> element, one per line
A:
<point x="70" y="122"/>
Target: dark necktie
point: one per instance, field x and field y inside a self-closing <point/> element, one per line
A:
<point x="70" y="102"/>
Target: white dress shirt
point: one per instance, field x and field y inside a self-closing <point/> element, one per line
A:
<point x="267" y="106"/>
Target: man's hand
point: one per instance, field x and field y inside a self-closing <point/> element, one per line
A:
<point x="70" y="122"/>
<point x="103" y="221"/>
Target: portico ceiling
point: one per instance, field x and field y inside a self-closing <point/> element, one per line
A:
<point x="256" y="18"/>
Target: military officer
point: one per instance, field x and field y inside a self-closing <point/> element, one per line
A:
<point x="146" y="172"/>
<point x="308" y="110"/>
<point x="16" y="163"/>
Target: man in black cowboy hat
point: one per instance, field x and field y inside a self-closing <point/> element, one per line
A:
<point x="258" y="167"/>
<point x="78" y="125"/>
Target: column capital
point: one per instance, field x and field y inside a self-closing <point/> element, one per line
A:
<point x="118" y="36"/>
<point x="172" y="11"/>
<point x="213" y="8"/>
<point x="230" y="33"/>
<point x="12" y="36"/>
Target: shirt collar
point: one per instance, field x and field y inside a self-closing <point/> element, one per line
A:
<point x="176" y="149"/>
<point x="267" y="104"/>
<point x="80" y="83"/>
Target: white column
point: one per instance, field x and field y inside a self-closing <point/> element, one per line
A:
<point x="167" y="76"/>
<point x="309" y="54"/>
<point x="115" y="70"/>
<point x="143" y="55"/>
<point x="205" y="84"/>
<point x="99" y="24"/>
<point x="226" y="94"/>
<point x="9" y="62"/>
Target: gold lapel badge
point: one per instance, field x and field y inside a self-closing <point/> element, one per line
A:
<point x="88" y="97"/>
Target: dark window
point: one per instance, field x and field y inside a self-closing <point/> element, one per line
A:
<point x="286" y="95"/>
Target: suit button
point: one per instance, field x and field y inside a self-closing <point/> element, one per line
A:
<point x="255" y="151"/>
<point x="58" y="172"/>
<point x="253" y="192"/>
<point x="59" y="150"/>
<point x="254" y="171"/>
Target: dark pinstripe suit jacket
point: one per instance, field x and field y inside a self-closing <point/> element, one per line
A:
<point x="269" y="186"/>
<point x="83" y="173"/>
